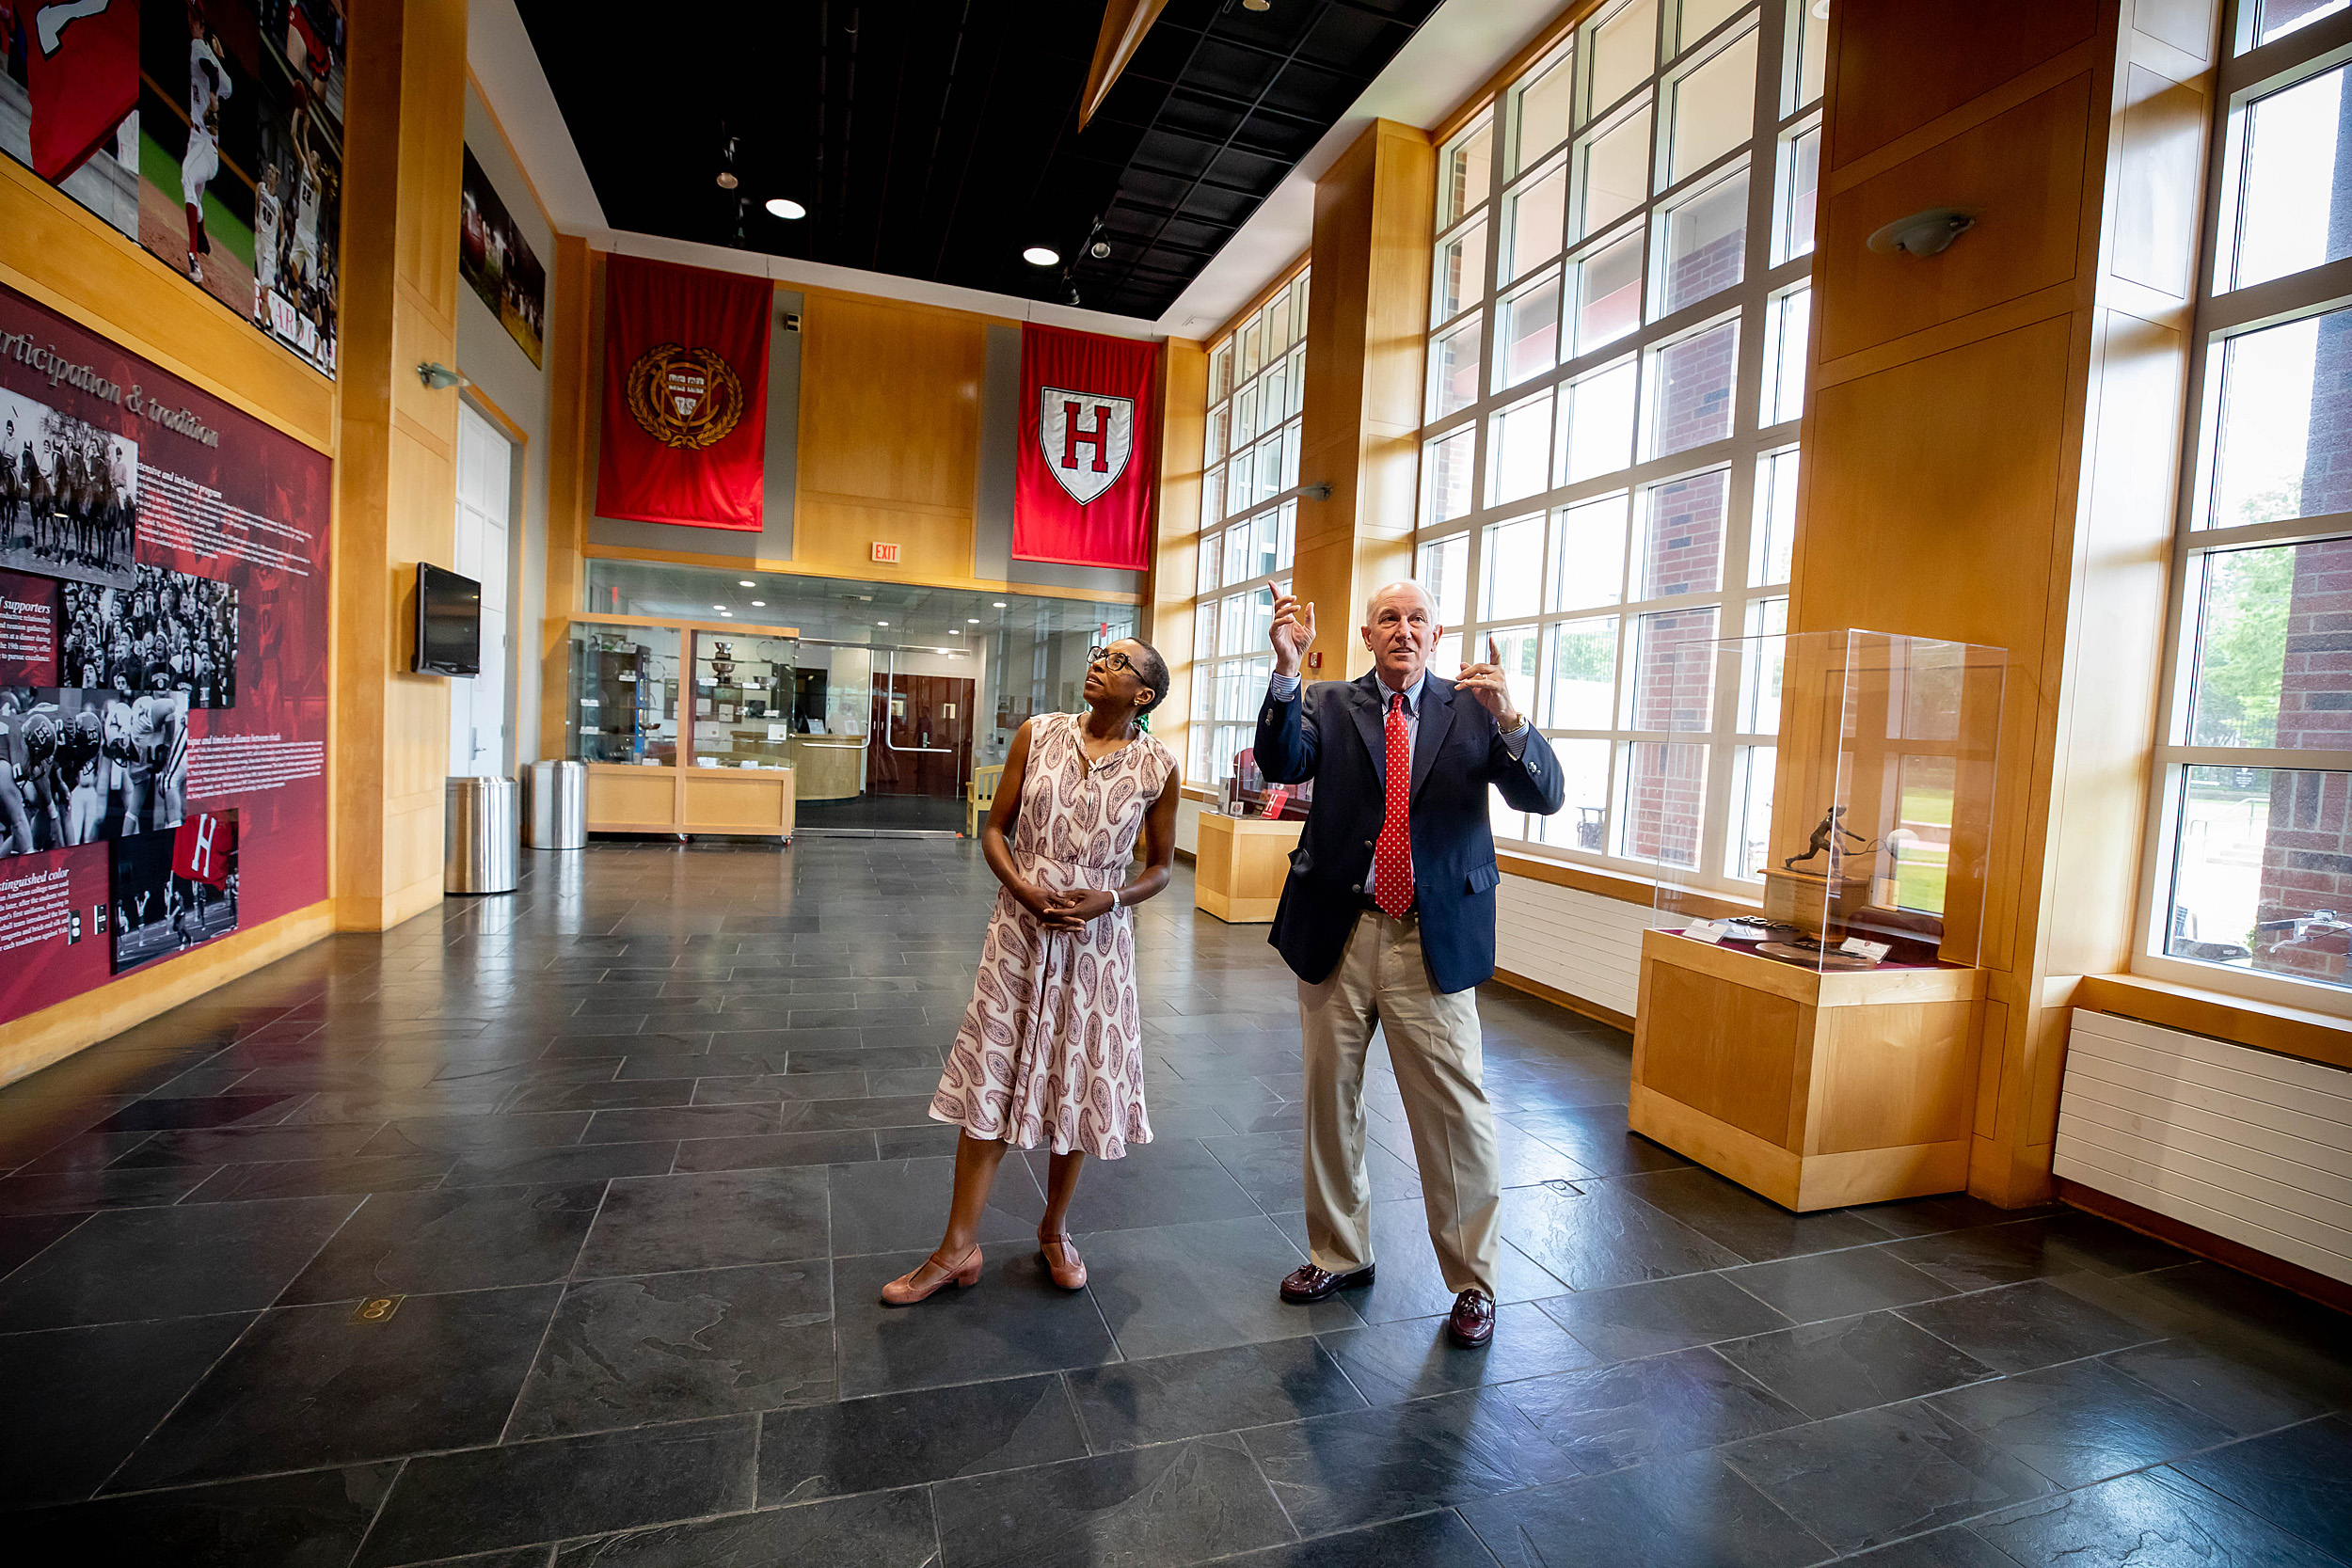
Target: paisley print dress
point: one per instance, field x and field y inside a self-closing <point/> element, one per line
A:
<point x="1051" y="1049"/>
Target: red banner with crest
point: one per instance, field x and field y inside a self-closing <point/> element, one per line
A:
<point x="685" y="436"/>
<point x="1090" y="443"/>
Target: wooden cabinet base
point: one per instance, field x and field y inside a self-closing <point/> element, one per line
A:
<point x="1240" y="867"/>
<point x="1813" y="1089"/>
<point x="757" y="802"/>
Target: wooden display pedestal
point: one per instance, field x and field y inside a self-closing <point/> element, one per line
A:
<point x="1240" y="867"/>
<point x="1814" y="1089"/>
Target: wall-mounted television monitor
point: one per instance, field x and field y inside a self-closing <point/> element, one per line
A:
<point x="449" y="623"/>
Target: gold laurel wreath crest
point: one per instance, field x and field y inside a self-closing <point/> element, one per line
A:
<point x="711" y="422"/>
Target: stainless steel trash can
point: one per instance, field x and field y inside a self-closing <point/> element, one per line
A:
<point x="479" y="836"/>
<point x="555" y="805"/>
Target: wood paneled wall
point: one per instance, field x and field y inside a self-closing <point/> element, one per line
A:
<point x="396" y="482"/>
<point x="1359" y="429"/>
<point x="890" y="435"/>
<point x="1992" y="438"/>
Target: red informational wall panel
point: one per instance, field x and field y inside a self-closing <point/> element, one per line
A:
<point x="163" y="607"/>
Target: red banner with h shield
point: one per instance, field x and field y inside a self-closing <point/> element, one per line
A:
<point x="1089" y="449"/>
<point x="685" y="436"/>
<point x="202" y="852"/>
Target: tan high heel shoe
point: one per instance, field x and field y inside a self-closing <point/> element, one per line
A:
<point x="1069" y="1271"/>
<point x="910" y="1287"/>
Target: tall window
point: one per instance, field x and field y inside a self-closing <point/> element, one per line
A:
<point x="2250" y="856"/>
<point x="1616" y="367"/>
<point x="1248" y="523"/>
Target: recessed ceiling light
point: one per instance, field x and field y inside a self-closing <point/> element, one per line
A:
<point x="746" y="582"/>
<point x="881" y="623"/>
<point x="717" y="606"/>
<point x="971" y="620"/>
<point x="726" y="180"/>
<point x="1000" y="603"/>
<point x="1039" y="255"/>
<point x="726" y="615"/>
<point x="955" y="631"/>
<point x="784" y="208"/>
<point x="759" y="604"/>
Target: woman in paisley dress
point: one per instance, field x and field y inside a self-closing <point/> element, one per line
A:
<point x="1051" y="1049"/>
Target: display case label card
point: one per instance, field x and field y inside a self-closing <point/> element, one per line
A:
<point x="1704" y="930"/>
<point x="1873" y="951"/>
<point x="779" y="732"/>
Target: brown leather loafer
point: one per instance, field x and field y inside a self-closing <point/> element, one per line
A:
<point x="1306" y="1284"/>
<point x="1472" y="1322"/>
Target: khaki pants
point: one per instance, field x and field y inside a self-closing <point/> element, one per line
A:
<point x="1433" y="1046"/>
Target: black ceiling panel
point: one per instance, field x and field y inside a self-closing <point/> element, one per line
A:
<point x="938" y="138"/>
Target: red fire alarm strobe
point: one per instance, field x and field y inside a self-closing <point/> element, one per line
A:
<point x="887" y="554"/>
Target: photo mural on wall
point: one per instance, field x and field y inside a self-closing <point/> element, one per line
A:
<point x="499" y="265"/>
<point x="148" y="711"/>
<point x="210" y="132"/>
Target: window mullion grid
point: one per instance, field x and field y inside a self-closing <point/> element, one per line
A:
<point x="2220" y="315"/>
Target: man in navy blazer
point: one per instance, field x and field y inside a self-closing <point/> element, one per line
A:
<point x="1388" y="919"/>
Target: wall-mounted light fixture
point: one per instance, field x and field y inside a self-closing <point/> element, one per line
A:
<point x="1924" y="233"/>
<point x="437" y="375"/>
<point x="1319" y="491"/>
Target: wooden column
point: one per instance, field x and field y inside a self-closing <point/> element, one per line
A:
<point x="1367" y="325"/>
<point x="571" y="488"/>
<point x="1992" y="443"/>
<point x="396" y="477"/>
<point x="1176" y="532"/>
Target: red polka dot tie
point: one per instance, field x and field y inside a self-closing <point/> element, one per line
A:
<point x="1392" y="856"/>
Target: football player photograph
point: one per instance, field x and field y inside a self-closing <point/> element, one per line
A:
<point x="1388" y="920"/>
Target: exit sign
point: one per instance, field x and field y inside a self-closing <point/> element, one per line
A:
<point x="887" y="554"/>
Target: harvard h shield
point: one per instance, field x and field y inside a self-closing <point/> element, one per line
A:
<point x="1087" y="440"/>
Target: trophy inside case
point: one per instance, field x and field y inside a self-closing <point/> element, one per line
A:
<point x="1855" y="831"/>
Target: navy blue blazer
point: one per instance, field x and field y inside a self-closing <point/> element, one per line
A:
<point x="1331" y="732"/>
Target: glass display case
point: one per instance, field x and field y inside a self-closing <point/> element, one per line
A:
<point x="745" y="700"/>
<point x="1853" y="829"/>
<point x="625" y="695"/>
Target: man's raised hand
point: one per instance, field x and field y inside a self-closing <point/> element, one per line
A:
<point x="1293" y="629"/>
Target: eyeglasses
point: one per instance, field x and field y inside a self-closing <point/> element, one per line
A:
<point x="1116" y="662"/>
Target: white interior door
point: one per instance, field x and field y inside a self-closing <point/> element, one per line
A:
<point x="477" y="706"/>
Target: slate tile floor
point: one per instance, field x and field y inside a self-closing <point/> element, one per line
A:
<point x="634" y="1147"/>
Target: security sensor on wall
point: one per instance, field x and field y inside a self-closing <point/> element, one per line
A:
<point x="1924" y="233"/>
<point x="436" y="376"/>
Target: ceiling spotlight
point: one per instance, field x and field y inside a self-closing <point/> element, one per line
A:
<point x="780" y="207"/>
<point x="1039" y="255"/>
<point x="1099" y="249"/>
<point x="1257" y="5"/>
